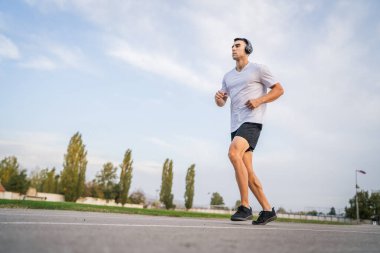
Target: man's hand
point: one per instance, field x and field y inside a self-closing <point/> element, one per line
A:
<point x="253" y="103"/>
<point x="275" y="92"/>
<point x="220" y="97"/>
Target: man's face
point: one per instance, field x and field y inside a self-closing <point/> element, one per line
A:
<point x="238" y="49"/>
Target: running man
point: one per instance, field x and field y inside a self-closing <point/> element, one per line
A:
<point x="247" y="86"/>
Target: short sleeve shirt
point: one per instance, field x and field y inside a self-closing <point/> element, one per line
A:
<point x="250" y="83"/>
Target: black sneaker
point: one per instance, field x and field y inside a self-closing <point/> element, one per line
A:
<point x="243" y="213"/>
<point x="265" y="217"/>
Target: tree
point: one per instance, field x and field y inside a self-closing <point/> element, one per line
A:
<point x="137" y="197"/>
<point x="312" y="213"/>
<point x="44" y="180"/>
<point x="18" y="183"/>
<point x="189" y="193"/>
<point x="125" y="177"/>
<point x="93" y="189"/>
<point x="74" y="169"/>
<point x="365" y="211"/>
<point x="166" y="196"/>
<point x="332" y="211"/>
<point x="37" y="178"/>
<point x="9" y="167"/>
<point x="48" y="184"/>
<point x="56" y="184"/>
<point x="281" y="210"/>
<point x="374" y="202"/>
<point x="106" y="180"/>
<point x="216" y="199"/>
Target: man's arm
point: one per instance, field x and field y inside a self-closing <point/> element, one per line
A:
<point x="220" y="98"/>
<point x="275" y="92"/>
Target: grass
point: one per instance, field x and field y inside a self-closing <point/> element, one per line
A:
<point x="31" y="204"/>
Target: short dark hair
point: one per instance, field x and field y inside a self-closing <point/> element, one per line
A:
<point x="248" y="48"/>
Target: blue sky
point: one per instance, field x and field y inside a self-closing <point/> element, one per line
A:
<point x="142" y="75"/>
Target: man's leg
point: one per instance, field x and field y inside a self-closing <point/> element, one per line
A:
<point x="268" y="214"/>
<point x="236" y="152"/>
<point x="254" y="182"/>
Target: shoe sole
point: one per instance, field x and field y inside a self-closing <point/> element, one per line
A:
<point x="267" y="221"/>
<point x="242" y="219"/>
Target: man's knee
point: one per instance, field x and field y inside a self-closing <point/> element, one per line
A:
<point x="234" y="154"/>
<point x="237" y="149"/>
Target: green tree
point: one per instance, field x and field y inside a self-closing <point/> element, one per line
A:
<point x="48" y="184"/>
<point x="56" y="184"/>
<point x="281" y="210"/>
<point x="9" y="167"/>
<point x="312" y="213"/>
<point x="18" y="183"/>
<point x="216" y="199"/>
<point x="332" y="211"/>
<point x="374" y="202"/>
<point x="74" y="169"/>
<point x="93" y="190"/>
<point x="166" y="196"/>
<point x="37" y="178"/>
<point x="125" y="177"/>
<point x="106" y="180"/>
<point x="137" y="197"/>
<point x="365" y="211"/>
<point x="189" y="193"/>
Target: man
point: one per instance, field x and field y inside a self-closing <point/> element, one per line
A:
<point x="247" y="85"/>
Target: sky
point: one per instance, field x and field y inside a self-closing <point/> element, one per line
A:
<point x="142" y="75"/>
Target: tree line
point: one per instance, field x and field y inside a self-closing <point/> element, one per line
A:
<point x="71" y="180"/>
<point x="369" y="205"/>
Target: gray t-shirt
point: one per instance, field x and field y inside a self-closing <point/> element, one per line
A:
<point x="250" y="83"/>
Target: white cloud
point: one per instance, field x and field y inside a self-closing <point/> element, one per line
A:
<point x="47" y="5"/>
<point x="39" y="63"/>
<point x="53" y="56"/>
<point x="161" y="65"/>
<point x="8" y="49"/>
<point x="149" y="167"/>
<point x="33" y="149"/>
<point x="160" y="143"/>
<point x="67" y="57"/>
<point x="144" y="40"/>
<point x="192" y="149"/>
<point x="41" y="150"/>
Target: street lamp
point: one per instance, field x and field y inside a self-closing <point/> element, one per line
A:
<point x="357" y="187"/>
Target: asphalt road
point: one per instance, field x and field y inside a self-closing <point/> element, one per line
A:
<point x="70" y="231"/>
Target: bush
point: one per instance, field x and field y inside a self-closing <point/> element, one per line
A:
<point x="137" y="197"/>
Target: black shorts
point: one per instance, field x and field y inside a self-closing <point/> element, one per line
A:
<point x="250" y="132"/>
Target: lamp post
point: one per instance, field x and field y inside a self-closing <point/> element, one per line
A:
<point x="357" y="187"/>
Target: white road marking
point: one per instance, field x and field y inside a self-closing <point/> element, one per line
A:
<point x="186" y="226"/>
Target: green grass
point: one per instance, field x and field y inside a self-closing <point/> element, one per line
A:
<point x="30" y="204"/>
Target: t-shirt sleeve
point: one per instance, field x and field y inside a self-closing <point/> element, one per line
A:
<point x="267" y="77"/>
<point x="224" y="86"/>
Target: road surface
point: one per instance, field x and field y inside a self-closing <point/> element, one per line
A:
<point x="40" y="231"/>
